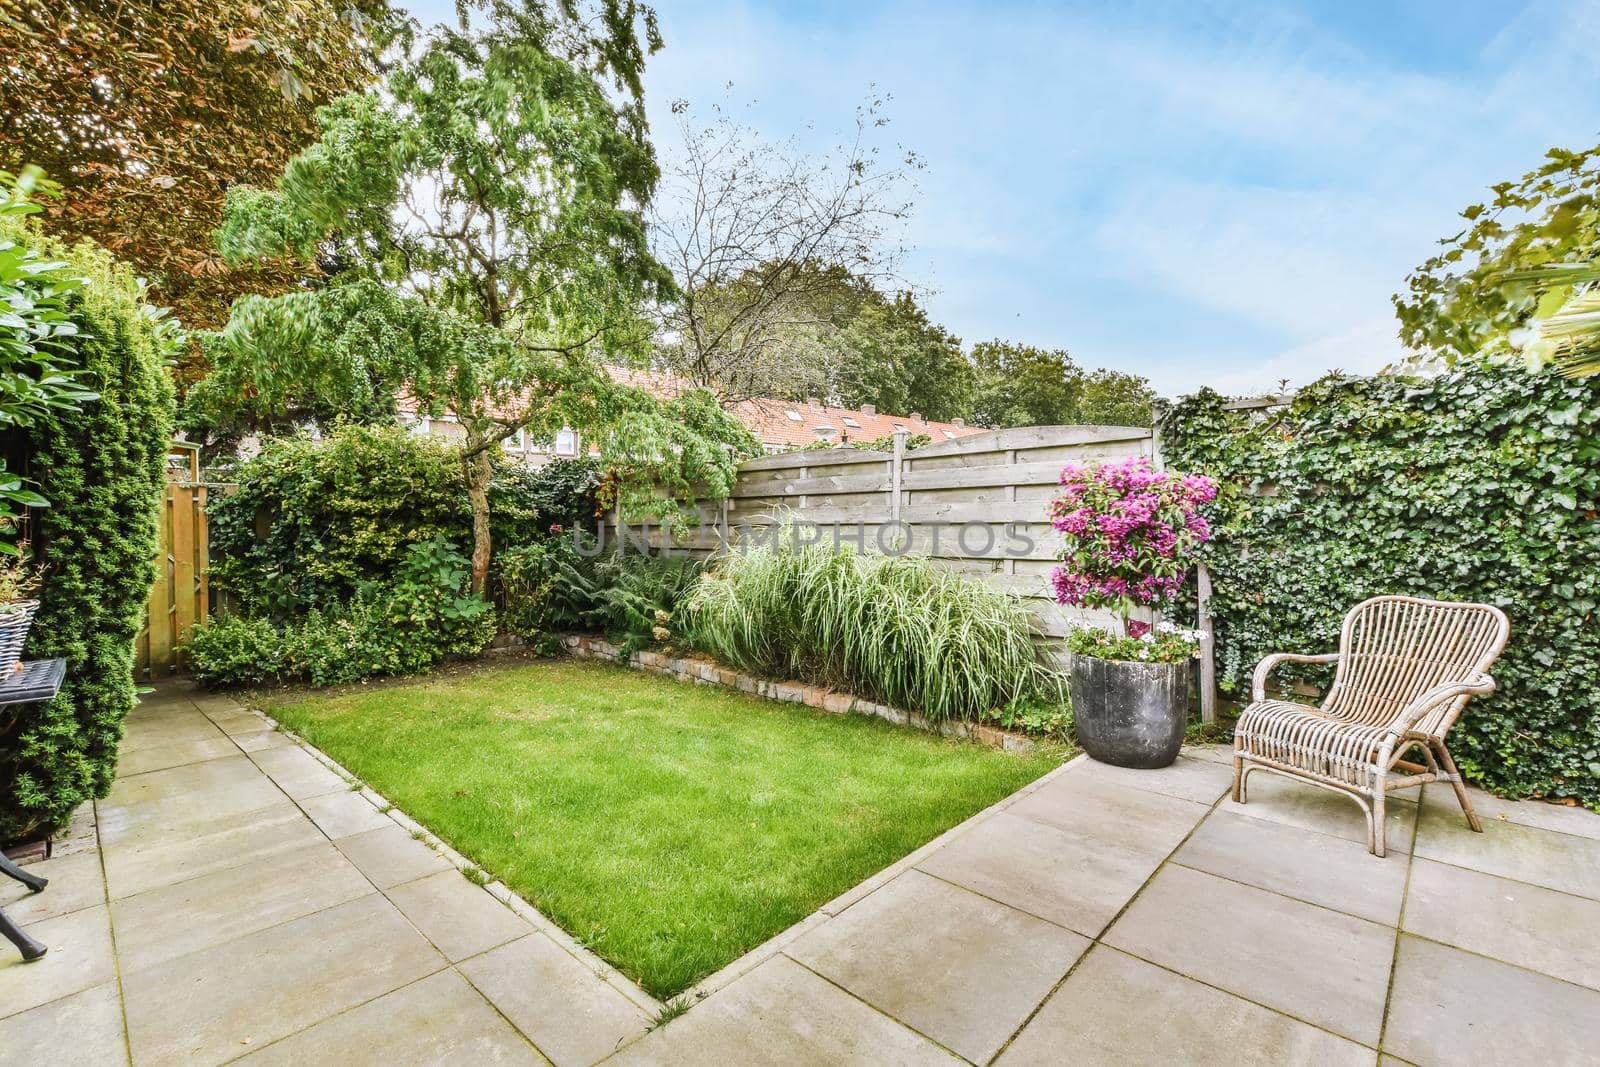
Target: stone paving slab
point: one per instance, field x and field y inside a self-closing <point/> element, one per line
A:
<point x="1321" y="966"/>
<point x="272" y="983"/>
<point x="1527" y="925"/>
<point x="554" y="999"/>
<point x="1045" y="872"/>
<point x="79" y="957"/>
<point x="73" y="1031"/>
<point x="1453" y="1007"/>
<point x="437" y="1020"/>
<point x="1567" y="820"/>
<point x="1567" y="862"/>
<point x="1318" y="868"/>
<point x="1118" y="1010"/>
<point x="782" y="1014"/>
<point x="458" y="917"/>
<point x="1099" y="811"/>
<point x="175" y="920"/>
<point x="389" y="856"/>
<point x="963" y="970"/>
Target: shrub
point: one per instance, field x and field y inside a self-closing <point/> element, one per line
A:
<point x="895" y="628"/>
<point x="527" y="576"/>
<point x="1128" y="533"/>
<point x="401" y="627"/>
<point x="101" y="468"/>
<point x="527" y="503"/>
<point x="236" y="651"/>
<point x="1481" y="483"/>
<point x="630" y="596"/>
<point x="315" y="519"/>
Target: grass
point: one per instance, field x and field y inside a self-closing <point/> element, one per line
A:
<point x="670" y="828"/>
<point x="899" y="629"/>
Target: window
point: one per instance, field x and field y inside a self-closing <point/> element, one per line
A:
<point x="794" y="416"/>
<point x="567" y="443"/>
<point x="422" y="426"/>
<point x="519" y="443"/>
<point x="848" y="421"/>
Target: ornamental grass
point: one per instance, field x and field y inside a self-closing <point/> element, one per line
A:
<point x="895" y="629"/>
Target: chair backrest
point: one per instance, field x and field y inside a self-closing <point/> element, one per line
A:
<point x="1396" y="648"/>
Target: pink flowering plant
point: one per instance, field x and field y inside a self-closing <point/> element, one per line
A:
<point x="1130" y="534"/>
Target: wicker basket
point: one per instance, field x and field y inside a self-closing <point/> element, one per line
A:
<point x="15" y="618"/>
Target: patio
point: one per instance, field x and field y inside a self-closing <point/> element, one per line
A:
<point x="235" y="897"/>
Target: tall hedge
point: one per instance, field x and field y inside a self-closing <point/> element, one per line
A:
<point x="1482" y="483"/>
<point x="101" y="470"/>
<point x="314" y="519"/>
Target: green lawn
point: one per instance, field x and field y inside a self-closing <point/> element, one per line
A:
<point x="670" y="827"/>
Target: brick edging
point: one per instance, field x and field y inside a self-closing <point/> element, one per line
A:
<point x="704" y="671"/>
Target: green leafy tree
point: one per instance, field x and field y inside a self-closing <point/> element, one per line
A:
<point x="1020" y="385"/>
<point x="891" y="355"/>
<point x="1520" y="277"/>
<point x="485" y="211"/>
<point x="148" y="110"/>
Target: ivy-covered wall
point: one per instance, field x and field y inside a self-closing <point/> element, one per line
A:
<point x="1480" y="484"/>
<point x="101" y="469"/>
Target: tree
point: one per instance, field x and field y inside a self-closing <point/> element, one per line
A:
<point x="1520" y="278"/>
<point x="891" y="355"/>
<point x="485" y="210"/>
<point x="1115" y="398"/>
<point x="148" y="112"/>
<point x="759" y="239"/>
<point x="1020" y="385"/>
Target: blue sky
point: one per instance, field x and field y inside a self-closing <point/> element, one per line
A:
<point x="1203" y="193"/>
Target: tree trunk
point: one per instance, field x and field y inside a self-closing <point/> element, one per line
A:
<point x="479" y="472"/>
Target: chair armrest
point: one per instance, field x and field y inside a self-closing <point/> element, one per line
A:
<point x="1480" y="685"/>
<point x="1258" y="683"/>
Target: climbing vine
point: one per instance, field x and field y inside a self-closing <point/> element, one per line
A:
<point x="1477" y="484"/>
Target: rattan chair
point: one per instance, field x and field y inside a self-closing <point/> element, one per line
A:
<point x="1406" y="668"/>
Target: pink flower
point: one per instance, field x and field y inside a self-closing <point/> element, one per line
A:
<point x="1137" y="628"/>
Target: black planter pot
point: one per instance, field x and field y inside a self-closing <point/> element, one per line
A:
<point x="1130" y="714"/>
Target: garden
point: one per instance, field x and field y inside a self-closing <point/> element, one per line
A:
<point x="688" y="758"/>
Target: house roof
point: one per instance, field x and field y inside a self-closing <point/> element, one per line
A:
<point x="791" y="423"/>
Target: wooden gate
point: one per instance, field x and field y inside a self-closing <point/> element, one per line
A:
<point x="181" y="596"/>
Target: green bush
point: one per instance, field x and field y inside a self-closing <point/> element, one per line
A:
<point x="894" y="628"/>
<point x="1482" y="483"/>
<point x="101" y="468"/>
<point x="236" y="651"/>
<point x="527" y="576"/>
<point x="315" y="519"/>
<point x="400" y="627"/>
<point x="528" y="503"/>
<point x="629" y="596"/>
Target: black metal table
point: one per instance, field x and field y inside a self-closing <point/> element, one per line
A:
<point x="37" y="680"/>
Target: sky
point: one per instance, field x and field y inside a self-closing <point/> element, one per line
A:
<point x="1203" y="193"/>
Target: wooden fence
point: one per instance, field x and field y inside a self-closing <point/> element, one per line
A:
<point x="976" y="504"/>
<point x="181" y="595"/>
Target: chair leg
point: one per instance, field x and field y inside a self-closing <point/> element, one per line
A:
<point x="30" y="949"/>
<point x="32" y="881"/>
<point x="1378" y="821"/>
<point x="1238" y="777"/>
<point x="1459" y="786"/>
